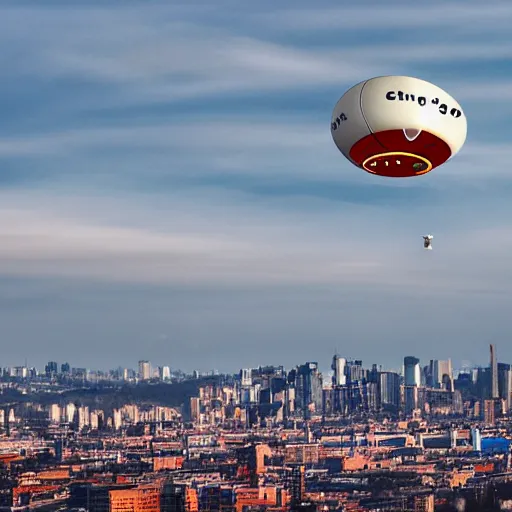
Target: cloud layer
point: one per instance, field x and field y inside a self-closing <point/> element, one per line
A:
<point x="173" y="166"/>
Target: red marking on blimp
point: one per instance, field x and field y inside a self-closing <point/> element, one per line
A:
<point x="400" y="153"/>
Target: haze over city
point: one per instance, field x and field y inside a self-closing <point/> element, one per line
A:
<point x="170" y="190"/>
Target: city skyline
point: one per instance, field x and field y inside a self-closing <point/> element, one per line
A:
<point x="325" y="366"/>
<point x="266" y="438"/>
<point x="170" y="190"/>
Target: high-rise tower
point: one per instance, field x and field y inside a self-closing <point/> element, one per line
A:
<point x="441" y="374"/>
<point x="412" y="380"/>
<point x="338" y="366"/>
<point x="494" y="373"/>
<point x="144" y="370"/>
<point x="412" y="371"/>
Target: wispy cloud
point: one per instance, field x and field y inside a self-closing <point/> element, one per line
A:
<point x="39" y="245"/>
<point x="256" y="249"/>
<point x="168" y="59"/>
<point x="492" y="91"/>
<point x="238" y="133"/>
<point x="472" y="16"/>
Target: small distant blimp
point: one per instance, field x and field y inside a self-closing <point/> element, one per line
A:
<point x="398" y="126"/>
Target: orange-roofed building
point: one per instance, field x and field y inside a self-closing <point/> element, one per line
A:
<point x="262" y="451"/>
<point x="170" y="462"/>
<point x="32" y="490"/>
<point x="484" y="468"/>
<point x="145" y="498"/>
<point x="191" y="500"/>
<point x="460" y="477"/>
<point x="268" y="496"/>
<point x="54" y="475"/>
<point x="6" y="458"/>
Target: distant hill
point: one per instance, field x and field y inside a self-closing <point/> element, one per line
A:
<point x="107" y="397"/>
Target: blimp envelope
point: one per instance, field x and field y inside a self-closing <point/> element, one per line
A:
<point x="398" y="126"/>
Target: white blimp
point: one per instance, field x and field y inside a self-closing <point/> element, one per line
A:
<point x="398" y="126"/>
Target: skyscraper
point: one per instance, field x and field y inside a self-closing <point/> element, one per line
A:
<point x="51" y="369"/>
<point x="412" y="380"/>
<point x="144" y="370"/>
<point x="412" y="372"/>
<point x="494" y="373"/>
<point x="483" y="382"/>
<point x="338" y="367"/>
<point x="441" y="374"/>
<point x="355" y="371"/>
<point x="165" y="373"/>
<point x="389" y="389"/>
<point x="309" y="396"/>
<point x="505" y="384"/>
<point x="489" y="412"/>
<point x="246" y="376"/>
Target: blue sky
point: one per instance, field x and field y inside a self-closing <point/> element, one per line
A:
<point x="169" y="188"/>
